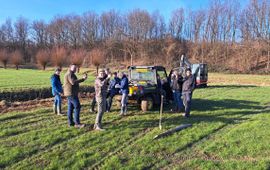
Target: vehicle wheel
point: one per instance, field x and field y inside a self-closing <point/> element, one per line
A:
<point x="204" y="85"/>
<point x="147" y="104"/>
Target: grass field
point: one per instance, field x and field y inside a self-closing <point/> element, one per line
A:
<point x="230" y="131"/>
<point x="14" y="80"/>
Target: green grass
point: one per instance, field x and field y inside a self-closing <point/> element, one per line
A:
<point x="15" y="80"/>
<point x="230" y="131"/>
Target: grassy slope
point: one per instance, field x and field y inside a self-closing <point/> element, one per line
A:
<point x="12" y="79"/>
<point x="230" y="130"/>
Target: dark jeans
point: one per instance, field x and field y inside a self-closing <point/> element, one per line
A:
<point x="177" y="100"/>
<point x="187" y="102"/>
<point x="73" y="105"/>
<point x="109" y="102"/>
<point x="93" y="104"/>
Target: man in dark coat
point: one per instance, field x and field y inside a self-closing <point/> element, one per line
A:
<point x="176" y="86"/>
<point x="188" y="87"/>
<point x="71" y="91"/>
<point x="124" y="90"/>
<point x="57" y="91"/>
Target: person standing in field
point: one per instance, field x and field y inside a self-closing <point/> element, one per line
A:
<point x="176" y="86"/>
<point x="112" y="90"/>
<point x="93" y="102"/>
<point x="57" y="91"/>
<point x="124" y="91"/>
<point x="71" y="91"/>
<point x="101" y="89"/>
<point x="188" y="87"/>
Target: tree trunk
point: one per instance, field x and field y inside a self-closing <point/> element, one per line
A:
<point x="268" y="61"/>
<point x="44" y="67"/>
<point x="17" y="67"/>
<point x="97" y="70"/>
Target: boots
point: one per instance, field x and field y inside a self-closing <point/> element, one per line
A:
<point x="123" y="111"/>
<point x="59" y="111"/>
<point x="97" y="126"/>
<point x="54" y="109"/>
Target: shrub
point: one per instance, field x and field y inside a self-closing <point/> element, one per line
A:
<point x="16" y="58"/>
<point x="4" y="58"/>
<point x="43" y="58"/>
<point x="58" y="56"/>
<point x="77" y="57"/>
<point x="98" y="57"/>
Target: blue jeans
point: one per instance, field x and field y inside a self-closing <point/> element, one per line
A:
<point x="73" y="104"/>
<point x="177" y="100"/>
<point x="57" y="100"/>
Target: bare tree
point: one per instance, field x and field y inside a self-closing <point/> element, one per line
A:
<point x="40" y="33"/>
<point x="110" y="25"/>
<point x="59" y="56"/>
<point x="139" y="24"/>
<point x="16" y="58"/>
<point x="4" y="57"/>
<point x="158" y="29"/>
<point x="74" y="27"/>
<point x="77" y="57"/>
<point x="90" y="28"/>
<point x="7" y="33"/>
<point x="98" y="57"/>
<point x="21" y="33"/>
<point x="43" y="58"/>
<point x="176" y="23"/>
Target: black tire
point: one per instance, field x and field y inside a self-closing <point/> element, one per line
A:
<point x="147" y="104"/>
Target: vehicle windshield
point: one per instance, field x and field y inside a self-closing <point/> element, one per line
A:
<point x="142" y="74"/>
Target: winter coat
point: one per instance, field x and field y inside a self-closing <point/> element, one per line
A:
<point x="71" y="84"/>
<point x="176" y="84"/>
<point x="101" y="87"/>
<point x="113" y="91"/>
<point x="56" y="85"/>
<point x="189" y="84"/>
<point x="124" y="85"/>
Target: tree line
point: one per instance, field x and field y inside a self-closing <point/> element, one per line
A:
<point x="224" y="35"/>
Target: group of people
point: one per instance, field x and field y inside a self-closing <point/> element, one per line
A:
<point x="105" y="90"/>
<point x="182" y="87"/>
<point x="106" y="87"/>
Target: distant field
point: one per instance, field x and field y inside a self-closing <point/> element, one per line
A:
<point x="239" y="79"/>
<point x="230" y="131"/>
<point x="14" y="80"/>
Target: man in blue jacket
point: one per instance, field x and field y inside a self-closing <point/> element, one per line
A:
<point x="124" y="91"/>
<point x="57" y="91"/>
<point x="112" y="90"/>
